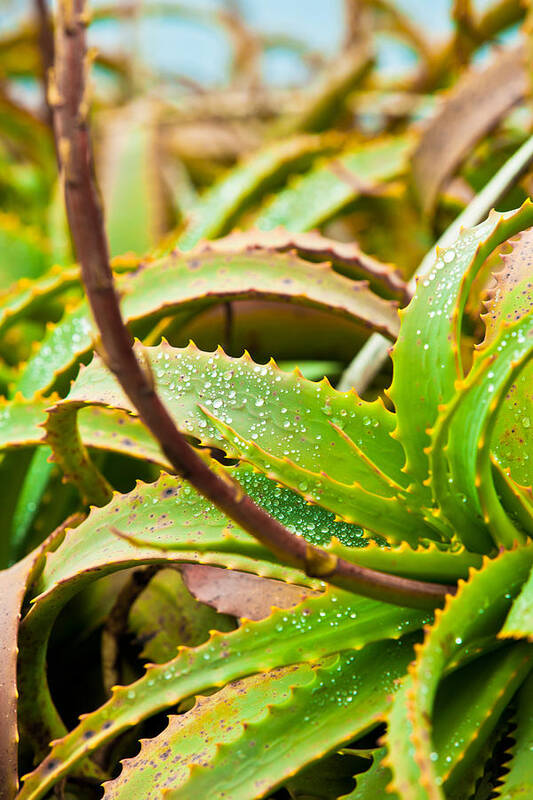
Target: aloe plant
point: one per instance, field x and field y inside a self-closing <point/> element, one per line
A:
<point x="436" y="490"/>
<point x="330" y="595"/>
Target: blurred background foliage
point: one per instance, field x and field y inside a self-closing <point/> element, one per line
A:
<point x="184" y="90"/>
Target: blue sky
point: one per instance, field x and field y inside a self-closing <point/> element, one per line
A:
<point x="199" y="50"/>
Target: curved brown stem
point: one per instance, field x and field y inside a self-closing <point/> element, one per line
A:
<point x="68" y="91"/>
<point x="46" y="46"/>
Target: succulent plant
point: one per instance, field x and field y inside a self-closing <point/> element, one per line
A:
<point x="329" y="594"/>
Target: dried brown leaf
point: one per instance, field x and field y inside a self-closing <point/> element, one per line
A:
<point x="473" y="107"/>
<point x="239" y="593"/>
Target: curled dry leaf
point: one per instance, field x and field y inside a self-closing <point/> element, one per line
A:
<point x="472" y="109"/>
<point x="240" y="593"/>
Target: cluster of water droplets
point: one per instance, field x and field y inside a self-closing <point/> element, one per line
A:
<point x="337" y="686"/>
<point x="158" y="512"/>
<point x="313" y="522"/>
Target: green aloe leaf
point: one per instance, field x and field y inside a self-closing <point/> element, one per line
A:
<point x="57" y="228"/>
<point x="185" y="528"/>
<point x="478" y="610"/>
<point x="35" y="483"/>
<point x="341" y="694"/>
<point x="468" y="496"/>
<point x="518" y="782"/>
<point x="374" y="782"/>
<point x="464" y="727"/>
<point x="429" y="561"/>
<point x="516" y="499"/>
<point x="318" y="627"/>
<point x="465" y="719"/>
<point x="169" y="523"/>
<point x="510" y="294"/>
<point x="426" y="356"/>
<point x="26" y="297"/>
<point x="276" y="410"/>
<point x="466" y="710"/>
<point x="333" y="184"/>
<point x="220" y="208"/>
<point x="30" y="135"/>
<point x="113" y="430"/>
<point x="519" y="622"/>
<point x="190" y="284"/>
<point x="256" y="413"/>
<point x="20" y="420"/>
<point x="266" y="275"/>
<point x="345" y="257"/>
<point x="467" y="707"/>
<point x="312" y="370"/>
<point x="191" y="529"/>
<point x="348" y="694"/>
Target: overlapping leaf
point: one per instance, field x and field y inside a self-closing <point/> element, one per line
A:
<point x="519" y="622"/>
<point x="127" y="169"/>
<point x="264" y="416"/>
<point x="346" y="258"/>
<point x="188" y="285"/>
<point x="427" y="360"/>
<point x="489" y="592"/>
<point x="318" y="627"/>
<point x="335" y="83"/>
<point x="339" y="700"/>
<point x="519" y="779"/>
<point x="331" y="186"/>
